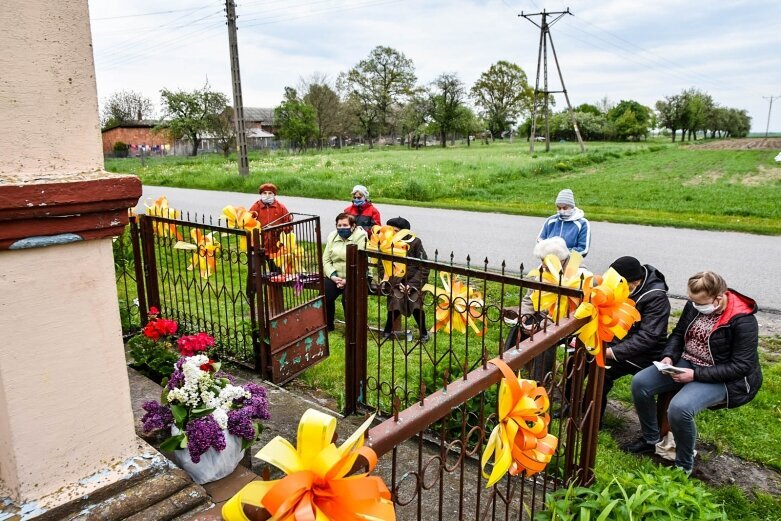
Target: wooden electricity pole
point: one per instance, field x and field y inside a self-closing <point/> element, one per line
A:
<point x="238" y="103"/>
<point x="542" y="57"/>
<point x="769" y="111"/>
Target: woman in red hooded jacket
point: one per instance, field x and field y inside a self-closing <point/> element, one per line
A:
<point x="365" y="213"/>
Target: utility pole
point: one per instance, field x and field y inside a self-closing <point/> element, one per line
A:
<point x="238" y="103"/>
<point x="542" y="58"/>
<point x="769" y="110"/>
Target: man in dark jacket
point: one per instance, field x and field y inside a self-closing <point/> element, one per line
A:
<point x="647" y="337"/>
<point x="713" y="351"/>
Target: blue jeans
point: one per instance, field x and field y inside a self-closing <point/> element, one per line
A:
<point x="690" y="399"/>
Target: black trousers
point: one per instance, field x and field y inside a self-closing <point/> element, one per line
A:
<point x="418" y="314"/>
<point x="331" y="293"/>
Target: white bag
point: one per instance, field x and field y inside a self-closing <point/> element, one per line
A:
<point x="666" y="447"/>
<point x="213" y="465"/>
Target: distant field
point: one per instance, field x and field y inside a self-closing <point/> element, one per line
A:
<point x="657" y="183"/>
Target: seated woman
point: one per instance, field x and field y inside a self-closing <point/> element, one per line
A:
<point x="714" y="346"/>
<point x="365" y="213"/>
<point x="335" y="260"/>
<point x="405" y="297"/>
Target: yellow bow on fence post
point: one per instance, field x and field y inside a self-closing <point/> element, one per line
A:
<point x="160" y="209"/>
<point x="572" y="276"/>
<point x="385" y="239"/>
<point x="241" y="218"/>
<point x="458" y="306"/>
<point x="317" y="487"/>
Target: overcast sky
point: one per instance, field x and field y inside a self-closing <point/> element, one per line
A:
<point x="622" y="49"/>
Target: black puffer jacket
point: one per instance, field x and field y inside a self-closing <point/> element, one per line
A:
<point x="646" y="339"/>
<point x="733" y="346"/>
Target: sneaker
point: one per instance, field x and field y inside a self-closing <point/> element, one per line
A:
<point x="640" y="446"/>
<point x="425" y="338"/>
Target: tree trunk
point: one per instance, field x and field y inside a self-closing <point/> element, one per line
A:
<point x="674" y="131"/>
<point x="443" y="138"/>
<point x="468" y="139"/>
<point x="196" y="144"/>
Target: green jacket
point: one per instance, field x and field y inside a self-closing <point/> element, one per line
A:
<point x="335" y="253"/>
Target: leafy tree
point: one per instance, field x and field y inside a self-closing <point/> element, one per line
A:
<point x="671" y="111"/>
<point x="223" y="129"/>
<point x="503" y="94"/>
<point x="328" y="107"/>
<point x="124" y="106"/>
<point x="192" y="114"/>
<point x="468" y="123"/>
<point x="413" y="117"/>
<point x="630" y="120"/>
<point x="375" y="85"/>
<point x="698" y="106"/>
<point x="446" y="98"/>
<point x="588" y="108"/>
<point x="296" y="119"/>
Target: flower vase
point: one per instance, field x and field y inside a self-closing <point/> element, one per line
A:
<point x="213" y="465"/>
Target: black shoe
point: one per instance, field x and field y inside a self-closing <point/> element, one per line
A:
<point x="424" y="338"/>
<point x="640" y="446"/>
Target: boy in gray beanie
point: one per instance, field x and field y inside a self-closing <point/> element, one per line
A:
<point x="568" y="223"/>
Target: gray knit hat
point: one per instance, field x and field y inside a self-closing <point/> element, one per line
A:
<point x="566" y="197"/>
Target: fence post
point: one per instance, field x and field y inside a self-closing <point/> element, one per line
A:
<point x="257" y="309"/>
<point x="355" y="296"/>
<point x="150" y="262"/>
<point x="588" y="454"/>
<point x="135" y="239"/>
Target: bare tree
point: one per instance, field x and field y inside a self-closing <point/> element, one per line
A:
<point x="124" y="106"/>
<point x="319" y="93"/>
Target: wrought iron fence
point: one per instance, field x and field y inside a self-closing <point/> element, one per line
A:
<point x="129" y="277"/>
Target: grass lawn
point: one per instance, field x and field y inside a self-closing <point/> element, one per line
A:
<point x="650" y="183"/>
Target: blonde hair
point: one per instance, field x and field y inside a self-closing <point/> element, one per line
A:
<point x="708" y="282"/>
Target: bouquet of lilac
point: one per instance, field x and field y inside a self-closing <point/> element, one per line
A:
<point x="205" y="411"/>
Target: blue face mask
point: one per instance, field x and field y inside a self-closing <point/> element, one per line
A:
<point x="344" y="232"/>
<point x="359" y="202"/>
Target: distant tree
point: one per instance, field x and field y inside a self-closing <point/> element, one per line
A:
<point x="413" y="118"/>
<point x="588" y="108"/>
<point x="124" y="106"/>
<point x="192" y="114"/>
<point x="319" y="94"/>
<point x="468" y="123"/>
<point x="671" y="111"/>
<point x="446" y="97"/>
<point x="698" y="106"/>
<point x="223" y="129"/>
<point x="605" y="104"/>
<point x="503" y="95"/>
<point x="630" y="120"/>
<point x="375" y="85"/>
<point x="296" y="119"/>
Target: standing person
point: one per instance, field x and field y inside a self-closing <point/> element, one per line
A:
<point x="713" y="349"/>
<point x="270" y="212"/>
<point x="405" y="297"/>
<point x="647" y="337"/>
<point x="335" y="260"/>
<point x="365" y="213"/>
<point x="568" y="223"/>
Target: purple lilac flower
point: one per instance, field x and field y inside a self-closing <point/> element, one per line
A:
<point x="222" y="374"/>
<point x="240" y="423"/>
<point x="157" y="417"/>
<point x="202" y="434"/>
<point x="257" y="403"/>
<point x="177" y="377"/>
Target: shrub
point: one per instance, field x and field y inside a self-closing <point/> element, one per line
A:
<point x="121" y="149"/>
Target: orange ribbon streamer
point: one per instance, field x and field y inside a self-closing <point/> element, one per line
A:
<point x="386" y="239"/>
<point x="521" y="441"/>
<point x="557" y="306"/>
<point x="611" y="310"/>
<point x="160" y="209"/>
<point x="241" y="218"/>
<point x="289" y="257"/>
<point x="458" y="306"/>
<point x="204" y="254"/>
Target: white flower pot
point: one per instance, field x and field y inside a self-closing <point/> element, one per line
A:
<point x="213" y="465"/>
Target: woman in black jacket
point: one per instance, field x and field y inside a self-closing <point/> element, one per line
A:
<point x="716" y="364"/>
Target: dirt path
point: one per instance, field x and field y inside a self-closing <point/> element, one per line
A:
<point x="772" y="143"/>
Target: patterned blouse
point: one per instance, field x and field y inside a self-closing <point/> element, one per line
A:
<point x="696" y="348"/>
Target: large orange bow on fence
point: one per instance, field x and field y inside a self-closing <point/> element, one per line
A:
<point x="386" y="239"/>
<point x="611" y="310"/>
<point x="205" y="250"/>
<point x="289" y="256"/>
<point x="316" y="487"/>
<point x="521" y="441"/>
<point x="160" y="209"/>
<point x="241" y="218"/>
<point x="572" y="276"/>
<point x="458" y="305"/>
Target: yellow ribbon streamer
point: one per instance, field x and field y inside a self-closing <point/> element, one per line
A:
<point x="205" y="250"/>
<point x="289" y="255"/>
<point x="458" y="305"/>
<point x="241" y="218"/>
<point x="316" y="487"/>
<point x="557" y="306"/>
<point x="386" y="239"/>
<point x="611" y="311"/>
<point x="160" y="208"/>
<point x="520" y="442"/>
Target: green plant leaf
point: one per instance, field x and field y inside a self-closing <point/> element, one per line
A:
<point x="179" y="412"/>
<point x="172" y="443"/>
<point x="201" y="412"/>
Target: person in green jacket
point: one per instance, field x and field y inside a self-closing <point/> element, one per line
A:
<point x="335" y="260"/>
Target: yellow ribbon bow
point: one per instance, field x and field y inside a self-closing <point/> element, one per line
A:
<point x="458" y="305"/>
<point x="316" y="487"/>
<point x="386" y="239"/>
<point x="520" y="442"/>
<point x="289" y="255"/>
<point x="204" y="254"/>
<point x="160" y="209"/>
<point x="611" y="310"/>
<point x="557" y="306"/>
<point x="241" y="218"/>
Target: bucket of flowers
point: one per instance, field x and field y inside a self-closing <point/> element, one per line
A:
<point x="153" y="350"/>
<point x="212" y="421"/>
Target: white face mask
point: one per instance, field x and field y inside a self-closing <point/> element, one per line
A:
<point x="705" y="309"/>
<point x="267" y="199"/>
<point x="564" y="214"/>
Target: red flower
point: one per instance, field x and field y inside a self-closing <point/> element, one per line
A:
<point x="160" y="327"/>
<point x="207" y="366"/>
<point x="192" y="344"/>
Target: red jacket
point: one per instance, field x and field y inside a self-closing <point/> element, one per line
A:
<point x="275" y="213"/>
<point x="366" y="215"/>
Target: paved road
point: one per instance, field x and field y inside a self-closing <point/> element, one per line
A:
<point x="743" y="259"/>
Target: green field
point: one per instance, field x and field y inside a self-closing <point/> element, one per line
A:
<point x="653" y="183"/>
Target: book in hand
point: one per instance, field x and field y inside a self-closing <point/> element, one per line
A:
<point x="668" y="369"/>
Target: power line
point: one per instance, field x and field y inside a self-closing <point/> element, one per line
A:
<point x="273" y="20"/>
<point x="147" y="14"/>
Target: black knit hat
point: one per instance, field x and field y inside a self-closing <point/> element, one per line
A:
<point x="399" y="222"/>
<point x="629" y="268"/>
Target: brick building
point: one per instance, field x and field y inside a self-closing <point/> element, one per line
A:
<point x="135" y="134"/>
<point x="261" y="118"/>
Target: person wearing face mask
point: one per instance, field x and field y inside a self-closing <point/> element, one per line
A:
<point x="335" y="260"/>
<point x="568" y="223"/>
<point x="270" y="211"/>
<point x="714" y="346"/>
<point x="365" y="213"/>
